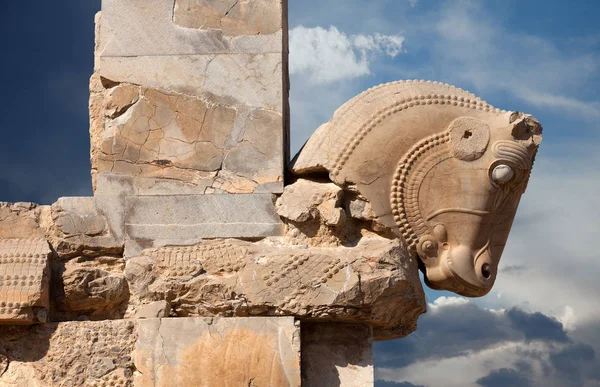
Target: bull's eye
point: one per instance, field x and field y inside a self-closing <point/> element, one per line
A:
<point x="502" y="174"/>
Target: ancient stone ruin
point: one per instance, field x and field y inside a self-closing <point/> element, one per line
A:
<point x="206" y="257"/>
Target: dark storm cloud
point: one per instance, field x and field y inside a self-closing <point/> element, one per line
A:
<point x="570" y="363"/>
<point x="454" y="330"/>
<point x="381" y="383"/>
<point x="504" y="377"/>
<point x="537" y="326"/>
<point x="569" y="366"/>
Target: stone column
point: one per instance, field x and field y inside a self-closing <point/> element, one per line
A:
<point x="336" y="354"/>
<point x="189" y="98"/>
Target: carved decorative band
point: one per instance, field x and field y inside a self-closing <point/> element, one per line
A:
<point x="407" y="179"/>
<point x="512" y="152"/>
<point x="402" y="105"/>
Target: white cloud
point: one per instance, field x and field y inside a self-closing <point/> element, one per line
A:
<point x="471" y="45"/>
<point x="328" y="55"/>
<point x="553" y="241"/>
<point x="443" y="301"/>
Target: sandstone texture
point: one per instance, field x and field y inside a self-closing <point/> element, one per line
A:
<point x="153" y="352"/>
<point x="186" y="93"/>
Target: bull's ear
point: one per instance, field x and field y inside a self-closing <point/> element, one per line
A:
<point x="469" y="138"/>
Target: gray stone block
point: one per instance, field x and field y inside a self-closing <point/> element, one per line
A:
<point x="152" y="221"/>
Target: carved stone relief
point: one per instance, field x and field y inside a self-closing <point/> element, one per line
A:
<point x="447" y="177"/>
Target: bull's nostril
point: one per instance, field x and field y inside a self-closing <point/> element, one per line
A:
<point x="486" y="271"/>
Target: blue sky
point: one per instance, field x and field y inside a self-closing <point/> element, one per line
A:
<point x="540" y="326"/>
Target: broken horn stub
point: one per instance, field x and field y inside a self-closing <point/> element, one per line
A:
<point x="442" y="168"/>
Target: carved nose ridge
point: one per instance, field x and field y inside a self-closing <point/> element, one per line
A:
<point x="472" y="268"/>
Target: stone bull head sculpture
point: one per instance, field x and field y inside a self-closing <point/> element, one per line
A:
<point x="443" y="169"/>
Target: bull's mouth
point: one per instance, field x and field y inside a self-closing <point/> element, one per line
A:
<point x="453" y="281"/>
<point x="469" y="290"/>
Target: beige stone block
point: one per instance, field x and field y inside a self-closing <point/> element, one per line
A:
<point x="23" y="220"/>
<point x="168" y="27"/>
<point x="24" y="281"/>
<point x="252" y="80"/>
<point x="153" y="221"/>
<point x="83" y="353"/>
<point x="373" y="282"/>
<point x="233" y="17"/>
<point x="157" y="309"/>
<point x="79" y="228"/>
<point x="191" y="104"/>
<point x="337" y="355"/>
<point x="217" y="352"/>
<point x="152" y="352"/>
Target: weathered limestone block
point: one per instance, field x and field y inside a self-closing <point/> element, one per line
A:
<point x="234" y="18"/>
<point x="157" y="309"/>
<point x="78" y="228"/>
<point x="23" y="220"/>
<point x="88" y="288"/>
<point x="186" y="92"/>
<point x="373" y="282"/>
<point x="187" y="219"/>
<point x="306" y="199"/>
<point x="321" y="214"/>
<point x="337" y="355"/>
<point x="69" y="354"/>
<point x="447" y="174"/>
<point x="24" y="281"/>
<point x="153" y="352"/>
<point x="217" y="352"/>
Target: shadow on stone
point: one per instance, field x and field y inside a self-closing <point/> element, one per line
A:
<point x="336" y="355"/>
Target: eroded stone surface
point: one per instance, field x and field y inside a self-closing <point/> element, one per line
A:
<point x="157" y="309"/>
<point x="372" y="282"/>
<point x="337" y="355"/>
<point x="69" y="354"/>
<point x="88" y="288"/>
<point x="233" y="17"/>
<point x="153" y="352"/>
<point x="24" y="281"/>
<point x="441" y="168"/>
<point x="190" y="105"/>
<point x="78" y="228"/>
<point x="218" y="352"/>
<point x="23" y="220"/>
<point x="187" y="219"/>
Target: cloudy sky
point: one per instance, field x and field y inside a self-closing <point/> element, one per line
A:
<point x="540" y="326"/>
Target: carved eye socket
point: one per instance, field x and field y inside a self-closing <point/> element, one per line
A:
<point x="502" y="174"/>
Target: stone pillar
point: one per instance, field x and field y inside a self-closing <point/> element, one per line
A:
<point x="336" y="354"/>
<point x="189" y="97"/>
